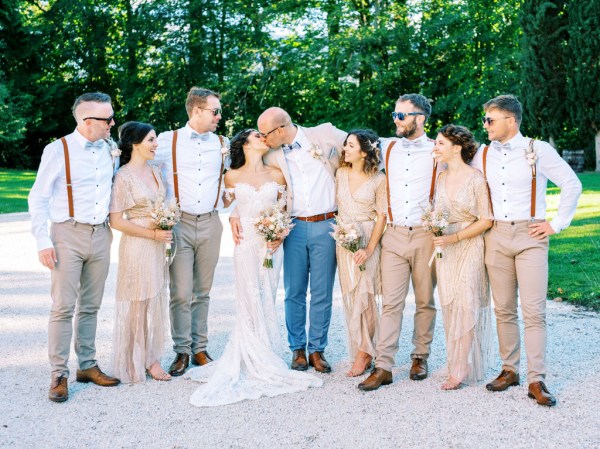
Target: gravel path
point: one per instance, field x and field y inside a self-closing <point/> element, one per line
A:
<point x="157" y="414"/>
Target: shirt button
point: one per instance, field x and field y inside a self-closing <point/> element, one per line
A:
<point x="405" y="185"/>
<point x="502" y="168"/>
<point x="502" y="183"/>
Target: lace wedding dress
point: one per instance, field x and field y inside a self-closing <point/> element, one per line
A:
<point x="249" y="368"/>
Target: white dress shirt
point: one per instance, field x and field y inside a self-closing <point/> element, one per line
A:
<point x="312" y="185"/>
<point x="198" y="168"/>
<point x="509" y="178"/>
<point x="410" y="168"/>
<point x="91" y="179"/>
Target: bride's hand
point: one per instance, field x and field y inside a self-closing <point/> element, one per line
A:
<point x="361" y="256"/>
<point x="163" y="236"/>
<point x="274" y="245"/>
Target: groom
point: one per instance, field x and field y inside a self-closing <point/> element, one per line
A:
<point x="308" y="158"/>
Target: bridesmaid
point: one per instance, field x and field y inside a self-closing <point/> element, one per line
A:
<point x="141" y="297"/>
<point x="361" y="197"/>
<point x="461" y="276"/>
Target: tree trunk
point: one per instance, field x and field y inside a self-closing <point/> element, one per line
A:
<point x="597" y="141"/>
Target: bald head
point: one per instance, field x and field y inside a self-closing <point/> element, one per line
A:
<point x="272" y="118"/>
<point x="276" y="127"/>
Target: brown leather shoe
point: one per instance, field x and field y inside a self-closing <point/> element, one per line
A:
<point x="299" y="361"/>
<point x="96" y="376"/>
<point x="59" y="389"/>
<point x="539" y="392"/>
<point x="317" y="360"/>
<point x="378" y="377"/>
<point x="507" y="378"/>
<point x="418" y="370"/>
<point x="201" y="358"/>
<point x="179" y="365"/>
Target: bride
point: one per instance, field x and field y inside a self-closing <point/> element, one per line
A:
<point x="249" y="368"/>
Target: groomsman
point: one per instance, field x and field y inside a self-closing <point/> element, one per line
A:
<point x="406" y="247"/>
<point x="72" y="191"/>
<point x="192" y="164"/>
<point x="308" y="158"/>
<point x="517" y="169"/>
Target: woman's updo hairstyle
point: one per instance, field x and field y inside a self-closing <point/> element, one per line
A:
<point x="370" y="145"/>
<point x="459" y="135"/>
<point x="236" y="148"/>
<point x="130" y="134"/>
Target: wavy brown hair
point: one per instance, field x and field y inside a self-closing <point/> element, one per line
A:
<point x="370" y="145"/>
<point x="459" y="135"/>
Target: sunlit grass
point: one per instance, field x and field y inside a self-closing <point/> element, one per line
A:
<point x="14" y="188"/>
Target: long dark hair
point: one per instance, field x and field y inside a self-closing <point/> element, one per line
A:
<point x="131" y="133"/>
<point x="370" y="145"/>
<point x="459" y="135"/>
<point x="236" y="148"/>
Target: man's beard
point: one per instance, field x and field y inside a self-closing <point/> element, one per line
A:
<point x="409" y="130"/>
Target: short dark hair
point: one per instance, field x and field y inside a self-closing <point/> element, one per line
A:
<point x="96" y="97"/>
<point x="419" y="102"/>
<point x="506" y="103"/>
<point x="131" y="133"/>
<point x="370" y="145"/>
<point x="196" y="98"/>
<point x="459" y="135"/>
<point x="236" y="148"/>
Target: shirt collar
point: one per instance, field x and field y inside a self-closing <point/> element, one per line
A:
<point x="512" y="143"/>
<point x="189" y="130"/>
<point x="79" y="138"/>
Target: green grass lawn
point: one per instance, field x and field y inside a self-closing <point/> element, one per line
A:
<point x="574" y="253"/>
<point x="14" y="188"/>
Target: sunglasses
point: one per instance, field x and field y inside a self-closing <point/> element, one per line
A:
<point x="102" y="119"/>
<point x="215" y="111"/>
<point x="402" y="115"/>
<point x="490" y="121"/>
<point x="264" y="136"/>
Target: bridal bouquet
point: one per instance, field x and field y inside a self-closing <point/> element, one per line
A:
<point x="434" y="221"/>
<point x="272" y="224"/>
<point x="347" y="235"/>
<point x="166" y="214"/>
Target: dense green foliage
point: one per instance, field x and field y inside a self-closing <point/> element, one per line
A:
<point x="344" y="61"/>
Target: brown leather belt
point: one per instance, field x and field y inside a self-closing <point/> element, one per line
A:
<point x="314" y="218"/>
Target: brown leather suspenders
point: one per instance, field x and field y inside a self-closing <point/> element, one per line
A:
<point x="387" y="180"/>
<point x="175" y="178"/>
<point x="533" y="180"/>
<point x="68" y="177"/>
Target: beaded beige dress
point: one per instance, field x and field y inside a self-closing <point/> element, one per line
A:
<point x="361" y="290"/>
<point x="462" y="282"/>
<point x="141" y="298"/>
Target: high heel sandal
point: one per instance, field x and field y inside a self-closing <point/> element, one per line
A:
<point x="162" y="377"/>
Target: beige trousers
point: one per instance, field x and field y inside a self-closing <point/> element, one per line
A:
<point x="517" y="262"/>
<point x="77" y="286"/>
<point x="405" y="253"/>
<point x="192" y="273"/>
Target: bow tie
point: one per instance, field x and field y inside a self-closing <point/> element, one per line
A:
<point x="288" y="148"/>
<point x="500" y="146"/>
<point x="203" y="137"/>
<point x="94" y="145"/>
<point x="412" y="143"/>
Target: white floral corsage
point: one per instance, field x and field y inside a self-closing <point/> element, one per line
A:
<point x="531" y="155"/>
<point x="114" y="149"/>
<point x="316" y="152"/>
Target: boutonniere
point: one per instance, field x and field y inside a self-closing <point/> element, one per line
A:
<point x="225" y="147"/>
<point x="531" y="155"/>
<point x="316" y="152"/>
<point x="114" y="149"/>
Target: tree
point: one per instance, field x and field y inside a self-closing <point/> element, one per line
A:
<point x="584" y="69"/>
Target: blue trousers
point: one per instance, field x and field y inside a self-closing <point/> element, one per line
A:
<point x="309" y="256"/>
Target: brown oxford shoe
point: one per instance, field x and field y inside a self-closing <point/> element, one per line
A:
<point x="507" y="378"/>
<point x="201" y="358"/>
<point x="59" y="389"/>
<point x="378" y="377"/>
<point x="418" y="370"/>
<point x="299" y="361"/>
<point x="318" y="362"/>
<point x="539" y="392"/>
<point x="95" y="375"/>
<point x="179" y="365"/>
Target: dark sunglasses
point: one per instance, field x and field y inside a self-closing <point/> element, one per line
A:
<point x="215" y="111"/>
<point x="489" y="120"/>
<point x="402" y="115"/>
<point x="107" y="120"/>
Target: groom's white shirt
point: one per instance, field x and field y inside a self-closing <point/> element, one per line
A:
<point x="313" y="187"/>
